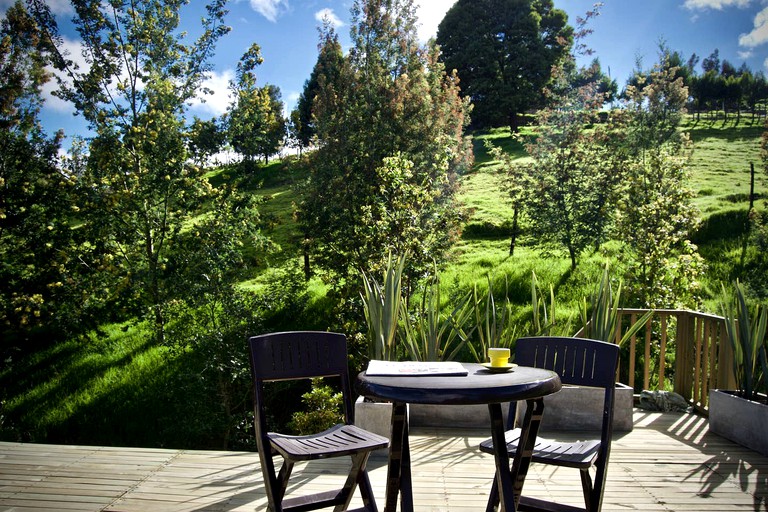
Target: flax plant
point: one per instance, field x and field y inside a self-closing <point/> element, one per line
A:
<point x="382" y="306"/>
<point x="544" y="315"/>
<point x="747" y="334"/>
<point x="600" y="318"/>
<point x="493" y="325"/>
<point x="432" y="335"/>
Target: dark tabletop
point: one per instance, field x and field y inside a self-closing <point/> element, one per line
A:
<point x="480" y="386"/>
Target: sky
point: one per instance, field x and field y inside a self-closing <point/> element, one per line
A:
<point x="286" y="31"/>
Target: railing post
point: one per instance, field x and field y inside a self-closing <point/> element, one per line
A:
<point x="647" y="365"/>
<point x="663" y="349"/>
<point x="725" y="377"/>
<point x="682" y="354"/>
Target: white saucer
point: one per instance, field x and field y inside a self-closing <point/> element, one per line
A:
<point x="499" y="369"/>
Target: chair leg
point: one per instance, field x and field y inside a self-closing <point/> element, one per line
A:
<point x="586" y="486"/>
<point x="285" y="473"/>
<point x="356" y="474"/>
<point x="271" y="483"/>
<point x="366" y="492"/>
<point x="493" y="498"/>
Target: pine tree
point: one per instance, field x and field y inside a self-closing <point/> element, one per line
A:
<point x="390" y="137"/>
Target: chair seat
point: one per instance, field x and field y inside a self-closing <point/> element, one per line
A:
<point x="578" y="454"/>
<point x="337" y="441"/>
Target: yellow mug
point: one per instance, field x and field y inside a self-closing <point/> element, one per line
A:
<point x="499" y="356"/>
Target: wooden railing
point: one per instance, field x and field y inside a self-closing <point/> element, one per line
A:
<point x="683" y="351"/>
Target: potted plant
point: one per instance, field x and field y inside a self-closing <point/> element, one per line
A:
<point x="578" y="407"/>
<point x="741" y="415"/>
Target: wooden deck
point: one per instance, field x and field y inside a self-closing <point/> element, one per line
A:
<point x="669" y="462"/>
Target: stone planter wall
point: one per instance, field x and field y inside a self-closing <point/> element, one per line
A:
<point x="580" y="408"/>
<point x="742" y="421"/>
<point x="451" y="416"/>
<point x="571" y="408"/>
<point x="374" y="417"/>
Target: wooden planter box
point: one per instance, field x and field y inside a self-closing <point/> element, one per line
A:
<point x="742" y="421"/>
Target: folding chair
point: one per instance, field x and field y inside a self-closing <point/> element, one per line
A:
<point x="303" y="355"/>
<point x="580" y="362"/>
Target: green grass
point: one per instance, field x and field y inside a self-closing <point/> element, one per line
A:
<point x="721" y="165"/>
<point x="60" y="389"/>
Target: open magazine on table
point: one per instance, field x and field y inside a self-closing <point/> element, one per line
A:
<point x="415" y="368"/>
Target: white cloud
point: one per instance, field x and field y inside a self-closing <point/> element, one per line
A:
<point x="57" y="7"/>
<point x="270" y="9"/>
<point x="74" y="50"/>
<point x="61" y="6"/>
<point x="214" y="104"/>
<point x="431" y="13"/>
<point x="759" y="35"/>
<point x="328" y="14"/>
<point x="765" y="64"/>
<point x="715" y="4"/>
<point x="746" y="54"/>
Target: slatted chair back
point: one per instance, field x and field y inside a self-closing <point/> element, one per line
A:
<point x="579" y="362"/>
<point x="304" y="355"/>
<point x="301" y="355"/>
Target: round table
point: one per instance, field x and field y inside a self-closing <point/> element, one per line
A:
<point x="479" y="386"/>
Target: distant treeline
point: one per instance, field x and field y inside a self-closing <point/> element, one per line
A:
<point x="720" y="89"/>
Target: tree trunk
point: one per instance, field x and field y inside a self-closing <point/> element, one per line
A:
<point x="513" y="241"/>
<point x="514" y="122"/>
<point x="307" y="268"/>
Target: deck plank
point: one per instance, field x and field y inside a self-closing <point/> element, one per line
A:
<point x="669" y="462"/>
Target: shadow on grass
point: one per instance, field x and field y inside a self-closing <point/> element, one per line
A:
<point x="723" y="225"/>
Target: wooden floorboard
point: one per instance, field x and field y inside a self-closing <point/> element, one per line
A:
<point x="669" y="462"/>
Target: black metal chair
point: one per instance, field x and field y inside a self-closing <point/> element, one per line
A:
<point x="303" y="355"/>
<point x="580" y="362"/>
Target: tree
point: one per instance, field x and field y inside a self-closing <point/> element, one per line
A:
<point x="38" y="279"/>
<point x="327" y="68"/>
<point x="593" y="74"/>
<point x="711" y="63"/>
<point x="205" y="139"/>
<point x="255" y="120"/>
<point x="575" y="166"/>
<point x="503" y="51"/>
<point x="756" y="91"/>
<point x="390" y="144"/>
<point x="656" y="216"/>
<point x="139" y="191"/>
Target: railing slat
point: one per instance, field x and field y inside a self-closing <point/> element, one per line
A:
<point x="647" y="369"/>
<point x="697" y="361"/>
<point x="662" y="350"/>
<point x="632" y="346"/>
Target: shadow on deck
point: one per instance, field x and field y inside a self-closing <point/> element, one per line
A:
<point x="669" y="462"/>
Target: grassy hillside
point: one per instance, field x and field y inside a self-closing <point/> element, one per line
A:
<point x="720" y="177"/>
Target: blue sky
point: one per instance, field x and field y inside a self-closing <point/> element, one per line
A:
<point x="286" y="30"/>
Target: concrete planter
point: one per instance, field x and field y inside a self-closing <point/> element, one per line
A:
<point x="451" y="416"/>
<point x="740" y="420"/>
<point x="580" y="408"/>
<point x="375" y="417"/>
<point x="571" y="408"/>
